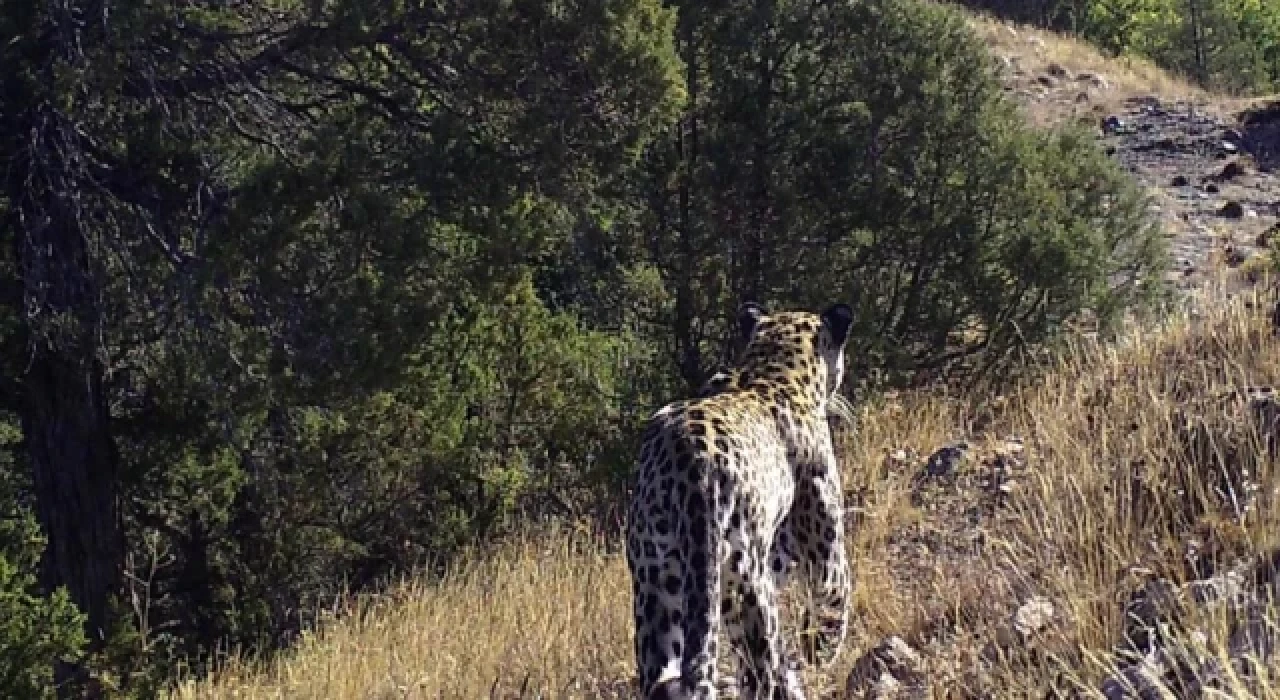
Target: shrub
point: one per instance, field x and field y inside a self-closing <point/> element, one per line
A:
<point x="36" y="630"/>
<point x="876" y="160"/>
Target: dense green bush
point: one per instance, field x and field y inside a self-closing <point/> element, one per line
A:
<point x="36" y="630"/>
<point x="867" y="153"/>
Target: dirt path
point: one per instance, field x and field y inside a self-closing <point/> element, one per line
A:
<point x="1217" y="201"/>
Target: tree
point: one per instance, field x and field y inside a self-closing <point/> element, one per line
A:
<point x="36" y="630"/>
<point x="864" y="151"/>
<point x="52" y="204"/>
<point x="241" y="229"/>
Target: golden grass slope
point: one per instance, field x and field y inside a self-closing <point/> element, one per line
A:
<point x="538" y="617"/>
<point x="1103" y="496"/>
<point x="1036" y="49"/>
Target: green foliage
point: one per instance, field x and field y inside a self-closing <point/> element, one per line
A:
<point x="314" y="237"/>
<point x="867" y="153"/>
<point x="36" y="630"/>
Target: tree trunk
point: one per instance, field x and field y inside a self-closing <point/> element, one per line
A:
<point x="1195" y="16"/>
<point x="65" y="417"/>
<point x="74" y="474"/>
<point x="55" y="221"/>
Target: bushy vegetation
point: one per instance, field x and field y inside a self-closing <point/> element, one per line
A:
<point x="1228" y="45"/>
<point x="295" y="299"/>
<point x="36" y="630"/>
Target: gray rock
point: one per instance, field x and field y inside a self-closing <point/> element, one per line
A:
<point x="1149" y="611"/>
<point x="1232" y="210"/>
<point x="1141" y="681"/>
<point x="1231" y="171"/>
<point x="946" y="460"/>
<point x="1255" y="639"/>
<point x="892" y="669"/>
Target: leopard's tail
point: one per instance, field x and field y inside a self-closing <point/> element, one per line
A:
<point x="701" y="543"/>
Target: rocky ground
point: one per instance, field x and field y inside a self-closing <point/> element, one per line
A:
<point x="1217" y="199"/>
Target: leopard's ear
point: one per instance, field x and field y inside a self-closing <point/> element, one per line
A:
<point x="749" y="316"/>
<point x="837" y="321"/>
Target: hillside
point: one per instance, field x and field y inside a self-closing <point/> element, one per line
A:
<point x="1010" y="567"/>
<point x="1211" y="174"/>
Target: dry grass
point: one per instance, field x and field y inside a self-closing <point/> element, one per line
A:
<point x="1109" y="492"/>
<point x="1027" y="54"/>
<point x="546" y="614"/>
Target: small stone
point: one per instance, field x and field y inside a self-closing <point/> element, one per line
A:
<point x="1034" y="616"/>
<point x="1232" y="210"/>
<point x="882" y="672"/>
<point x="1232" y="170"/>
<point x="945" y="460"/>
<point x="1230" y="148"/>
<point x="1014" y="445"/>
<point x="886" y="687"/>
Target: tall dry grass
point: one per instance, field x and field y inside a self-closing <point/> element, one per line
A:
<point x="546" y="615"/>
<point x="1120" y="478"/>
<point x="1027" y="54"/>
<point x="1129" y="76"/>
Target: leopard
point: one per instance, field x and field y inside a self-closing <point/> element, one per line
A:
<point x="736" y="487"/>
